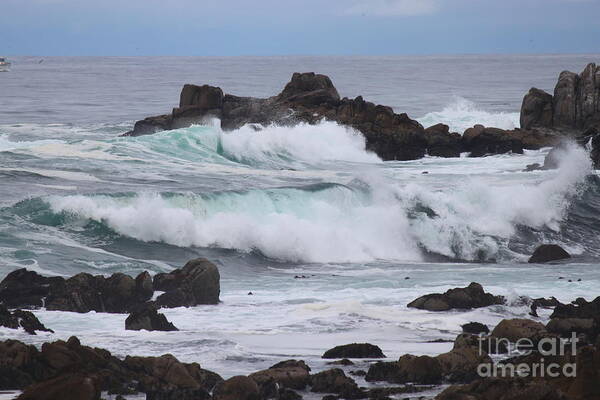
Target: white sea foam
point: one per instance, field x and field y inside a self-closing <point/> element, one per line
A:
<point x="380" y="221"/>
<point x="463" y="113"/>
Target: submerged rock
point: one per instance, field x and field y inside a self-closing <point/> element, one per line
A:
<point x="355" y="350"/>
<point x="548" y="252"/>
<point x="472" y="296"/>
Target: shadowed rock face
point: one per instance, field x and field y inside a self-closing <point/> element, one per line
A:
<point x="308" y="98"/>
<point x="574" y="108"/>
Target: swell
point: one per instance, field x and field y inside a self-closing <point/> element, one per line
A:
<point x="366" y="220"/>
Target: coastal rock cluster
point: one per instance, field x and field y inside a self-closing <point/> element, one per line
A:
<point x="310" y="98"/>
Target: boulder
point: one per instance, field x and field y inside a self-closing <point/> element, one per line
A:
<point x="566" y="326"/>
<point x="21" y="319"/>
<point x="518" y="328"/>
<point x="148" y="318"/>
<point x="198" y="282"/>
<point x="536" y="110"/>
<point x="335" y="381"/>
<point x="288" y="374"/>
<point x="26" y="289"/>
<point x="481" y="141"/>
<point x="547" y="253"/>
<point x="237" y="388"/>
<point x="72" y="387"/>
<point x="580" y="317"/>
<point x="502" y="389"/>
<point x="472" y="296"/>
<point x="442" y="143"/>
<point x="408" y="369"/>
<point x="475" y="328"/>
<point x="355" y="350"/>
<point x="460" y="364"/>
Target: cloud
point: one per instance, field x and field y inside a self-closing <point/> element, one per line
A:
<point x="392" y="8"/>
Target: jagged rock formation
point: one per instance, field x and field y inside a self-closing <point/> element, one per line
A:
<point x="310" y="98"/>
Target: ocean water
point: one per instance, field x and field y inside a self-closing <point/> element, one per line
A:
<point x="366" y="236"/>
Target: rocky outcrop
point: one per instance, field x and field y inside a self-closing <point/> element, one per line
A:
<point x="237" y="388"/>
<point x="414" y="369"/>
<point x="442" y="143"/>
<point x="21" y="319"/>
<point x="472" y="296"/>
<point x="518" y="328"/>
<point x="581" y="317"/>
<point x="336" y="381"/>
<point x="574" y="108"/>
<point x="148" y="318"/>
<point x="307" y="98"/>
<point x="502" y="389"/>
<point x="290" y="374"/>
<point x="22" y="365"/>
<point x="72" y="387"/>
<point x="198" y="282"/>
<point x="547" y="253"/>
<point x="355" y="350"/>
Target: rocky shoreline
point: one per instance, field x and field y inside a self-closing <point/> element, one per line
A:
<point x="571" y="114"/>
<point x="68" y="369"/>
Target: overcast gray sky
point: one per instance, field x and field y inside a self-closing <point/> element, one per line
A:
<point x="281" y="27"/>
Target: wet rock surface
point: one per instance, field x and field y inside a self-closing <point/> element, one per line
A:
<point x="472" y="296"/>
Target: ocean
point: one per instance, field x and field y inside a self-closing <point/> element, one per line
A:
<point x="331" y="241"/>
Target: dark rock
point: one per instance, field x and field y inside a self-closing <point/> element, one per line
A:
<point x="178" y="394"/>
<point x="290" y="374"/>
<point x="148" y="318"/>
<point x="419" y="370"/>
<point x="196" y="283"/>
<point x="237" y="388"/>
<point x="72" y="387"/>
<point x="355" y="350"/>
<point x="307" y="98"/>
<point x="473" y="296"/>
<point x="24" y="319"/>
<point x="460" y="364"/>
<point x="536" y="110"/>
<point x="481" y="141"/>
<point x="335" y="381"/>
<point x="595" y="153"/>
<point x="576" y="317"/>
<point x="442" y="143"/>
<point x="475" y="328"/>
<point x="517" y="328"/>
<point x="343" y="361"/>
<point x="502" y="389"/>
<point x="548" y="252"/>
<point x="26" y="289"/>
<point x="287" y="394"/>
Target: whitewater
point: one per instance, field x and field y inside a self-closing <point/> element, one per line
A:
<point x="330" y="241"/>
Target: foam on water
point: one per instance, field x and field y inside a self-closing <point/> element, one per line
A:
<point x="371" y="219"/>
<point x="463" y="113"/>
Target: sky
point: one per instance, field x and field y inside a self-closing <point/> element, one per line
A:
<point x="295" y="27"/>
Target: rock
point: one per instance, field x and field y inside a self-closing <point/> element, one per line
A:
<point x="149" y="319"/>
<point x="517" y="328"/>
<point x="460" y="364"/>
<point x="595" y="153"/>
<point x="290" y="374"/>
<point x="307" y="98"/>
<point x="25" y="289"/>
<point x="442" y="143"/>
<point x="178" y="394"/>
<point x="473" y="296"/>
<point x="566" y="326"/>
<point x="536" y="110"/>
<point x="198" y="282"/>
<point x="574" y="107"/>
<point x="577" y="317"/>
<point x="475" y="328"/>
<point x="237" y="388"/>
<point x="81" y="293"/>
<point x="481" y="141"/>
<point x="502" y="389"/>
<point x="287" y="394"/>
<point x="334" y="381"/>
<point x="355" y="350"/>
<point x="548" y="252"/>
<point x="72" y="387"/>
<point x="23" y="319"/>
<point x="408" y="369"/>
